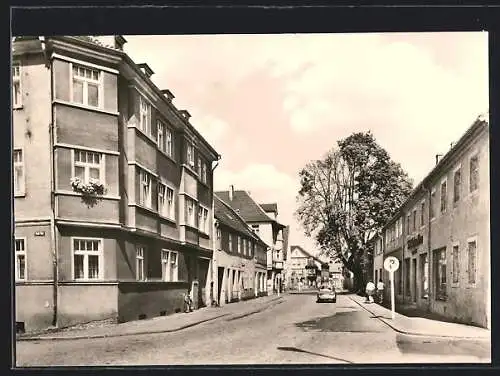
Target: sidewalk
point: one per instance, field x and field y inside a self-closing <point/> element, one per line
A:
<point x="422" y="326"/>
<point x="162" y="324"/>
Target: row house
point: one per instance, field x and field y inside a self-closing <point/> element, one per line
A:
<point x="262" y="218"/>
<point x="112" y="186"/>
<point x="443" y="236"/>
<point x="239" y="257"/>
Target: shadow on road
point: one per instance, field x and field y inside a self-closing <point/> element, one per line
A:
<point x="443" y="346"/>
<point x="294" y="349"/>
<point x="347" y="321"/>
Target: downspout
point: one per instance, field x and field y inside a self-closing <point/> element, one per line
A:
<point x="55" y="267"/>
<point x="214" y="299"/>
<point x="428" y="190"/>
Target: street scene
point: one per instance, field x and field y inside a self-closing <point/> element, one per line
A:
<point x="251" y="199"/>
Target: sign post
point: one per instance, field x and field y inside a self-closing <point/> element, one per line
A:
<point x="391" y="264"/>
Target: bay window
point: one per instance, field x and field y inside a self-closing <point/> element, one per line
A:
<point x="145" y="116"/>
<point x="86" y="86"/>
<point x="145" y="190"/>
<point x="88" y="165"/>
<point x="190" y="214"/>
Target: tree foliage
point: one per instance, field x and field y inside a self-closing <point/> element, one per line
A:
<point x="348" y="196"/>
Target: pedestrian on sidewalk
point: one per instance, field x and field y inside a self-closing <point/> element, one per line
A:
<point x="300" y="286"/>
<point x="370" y="290"/>
<point x="188" y="302"/>
<point x="380" y="291"/>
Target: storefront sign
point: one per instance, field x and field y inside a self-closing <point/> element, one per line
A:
<point x="415" y="241"/>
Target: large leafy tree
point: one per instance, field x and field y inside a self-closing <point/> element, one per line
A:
<point x="347" y="197"/>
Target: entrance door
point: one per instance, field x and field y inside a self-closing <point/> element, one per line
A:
<point x="414" y="270"/>
<point x="220" y="277"/>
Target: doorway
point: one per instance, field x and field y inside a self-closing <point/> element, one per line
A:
<point x="220" y="278"/>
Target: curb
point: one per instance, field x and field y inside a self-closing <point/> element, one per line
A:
<point x="100" y="336"/>
<point x="393" y="327"/>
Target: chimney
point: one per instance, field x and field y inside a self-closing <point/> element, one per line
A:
<point x="438" y="158"/>
<point x="146" y="69"/>
<point x="185" y="114"/>
<point x="168" y="94"/>
<point x="231" y="192"/>
<point x="119" y="42"/>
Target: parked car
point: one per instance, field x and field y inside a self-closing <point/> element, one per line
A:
<point x="326" y="294"/>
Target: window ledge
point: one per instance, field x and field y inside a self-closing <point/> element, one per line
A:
<point x="168" y="219"/>
<point x="151" y="210"/>
<point x="148" y="137"/>
<point x="18" y="107"/>
<point x="85" y="107"/>
<point x="20" y="194"/>
<point x="73" y="193"/>
<point x="165" y="154"/>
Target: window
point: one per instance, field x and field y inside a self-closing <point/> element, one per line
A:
<point x="145" y="116"/>
<point x="190" y="215"/>
<point x="87" y="258"/>
<point x="455" y="264"/>
<point x="87" y="86"/>
<point x="145" y="192"/>
<point x="16" y="86"/>
<point x="160" y="140"/>
<point x="424" y="267"/>
<point x="456" y="185"/>
<point x="473" y="173"/>
<point x="165" y="201"/>
<point x="203" y="219"/>
<point x="230" y="242"/>
<point x="471" y="261"/>
<point x="20" y="248"/>
<point x="255" y="228"/>
<point x="422" y="213"/>
<point x="190" y="154"/>
<point x="239" y="244"/>
<point x="204" y="173"/>
<point x="170" y="142"/>
<point x="19" y="181"/>
<point x="414" y="219"/>
<point x="169" y="260"/>
<point x="443" y="196"/>
<point x="139" y="263"/>
<point x="198" y="168"/>
<point x="440" y="273"/>
<point x="88" y="165"/>
<point x="432" y="203"/>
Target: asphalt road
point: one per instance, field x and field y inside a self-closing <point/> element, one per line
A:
<point x="295" y="331"/>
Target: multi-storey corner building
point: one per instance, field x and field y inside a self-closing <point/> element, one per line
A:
<point x="442" y="234"/>
<point x="239" y="257"/>
<point x="85" y="116"/>
<point x="296" y="264"/>
<point x="265" y="224"/>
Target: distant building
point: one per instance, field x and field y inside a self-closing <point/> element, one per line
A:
<point x="296" y="263"/>
<point x="239" y="257"/>
<point x="265" y="224"/>
<point x="441" y="235"/>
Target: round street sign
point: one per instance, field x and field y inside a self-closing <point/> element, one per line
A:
<point x="391" y="264"/>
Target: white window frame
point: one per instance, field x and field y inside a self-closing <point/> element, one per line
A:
<point x="198" y="167"/>
<point x="160" y="135"/>
<point x="432" y="203"/>
<point x="475" y="154"/>
<point x="167" y="270"/>
<point x="230" y="242"/>
<point x="169" y="142"/>
<point x="472" y="239"/>
<point x="146" y="180"/>
<point x="204" y="172"/>
<point x="87" y="165"/>
<point x="19" y="189"/>
<point x="18" y="253"/>
<point x="190" y="154"/>
<point x="85" y="81"/>
<point x="85" y="254"/>
<point x="190" y="208"/>
<point x="460" y="195"/>
<point x="239" y="244"/>
<point x="203" y="218"/>
<point x="140" y="269"/>
<point x="145" y="111"/>
<point x="162" y="199"/>
<point x="452" y="282"/>
<point x="17" y="82"/>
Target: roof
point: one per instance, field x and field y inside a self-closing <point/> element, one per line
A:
<point x="270" y="207"/>
<point x="479" y="124"/>
<point x="306" y="253"/>
<point x="227" y="216"/>
<point x="246" y="207"/>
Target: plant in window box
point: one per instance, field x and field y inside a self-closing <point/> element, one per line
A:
<point x="90" y="190"/>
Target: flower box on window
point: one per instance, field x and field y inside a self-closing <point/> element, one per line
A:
<point x="93" y="187"/>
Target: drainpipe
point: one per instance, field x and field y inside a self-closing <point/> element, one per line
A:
<point x="215" y="270"/>
<point x="429" y="196"/>
<point x="55" y="256"/>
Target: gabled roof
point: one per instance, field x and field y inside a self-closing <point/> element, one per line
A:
<point x="270" y="207"/>
<point x="246" y="207"/>
<point x="293" y="247"/>
<point x="227" y="216"/>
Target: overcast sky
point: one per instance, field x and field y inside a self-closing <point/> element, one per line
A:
<point x="270" y="103"/>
